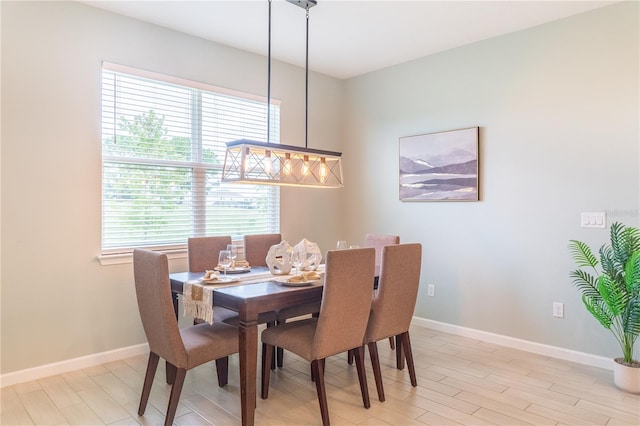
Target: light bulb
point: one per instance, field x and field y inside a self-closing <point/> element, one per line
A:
<point x="323" y="170"/>
<point x="245" y="166"/>
<point x="287" y="164"/>
<point x="267" y="162"/>
<point x="305" y="165"/>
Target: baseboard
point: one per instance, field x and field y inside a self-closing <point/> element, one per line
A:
<point x="61" y="367"/>
<point x="511" y="342"/>
<point x="56" y="368"/>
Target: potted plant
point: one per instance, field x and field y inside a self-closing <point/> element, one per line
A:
<point x="611" y="292"/>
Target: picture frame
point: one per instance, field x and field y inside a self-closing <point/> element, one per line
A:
<point x="441" y="166"/>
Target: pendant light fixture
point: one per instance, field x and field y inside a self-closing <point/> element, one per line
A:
<point x="254" y="162"/>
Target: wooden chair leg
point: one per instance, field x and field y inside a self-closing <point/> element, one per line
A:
<point x="176" y="390"/>
<point x="377" y="373"/>
<point x="267" y="357"/>
<point x="399" y="354"/>
<point x="152" y="365"/>
<point x="362" y="375"/>
<point x="318" y="370"/>
<point x="222" y="369"/>
<point x="273" y="358"/>
<point x="406" y="348"/>
<point x="392" y="343"/>
<point x="350" y="357"/>
<point x="171" y="372"/>
<point x="280" y="357"/>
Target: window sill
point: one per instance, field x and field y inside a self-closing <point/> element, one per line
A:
<point x="122" y="258"/>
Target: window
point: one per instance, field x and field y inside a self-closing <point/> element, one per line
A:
<point x="163" y="147"/>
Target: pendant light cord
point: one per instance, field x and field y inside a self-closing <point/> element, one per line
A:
<point x="306" y="87"/>
<point x="269" y="81"/>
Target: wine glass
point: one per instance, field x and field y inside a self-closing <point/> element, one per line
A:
<point x="296" y="260"/>
<point x="225" y="260"/>
<point x="234" y="252"/>
<point x="341" y="245"/>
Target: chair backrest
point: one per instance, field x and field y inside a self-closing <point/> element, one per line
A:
<point x="395" y="299"/>
<point x="378" y="241"/>
<point x="203" y="252"/>
<point x="346" y="301"/>
<point x="153" y="291"/>
<point x="256" y="247"/>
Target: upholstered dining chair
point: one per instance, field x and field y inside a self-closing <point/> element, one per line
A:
<point x="183" y="349"/>
<point x="202" y="254"/>
<point x="378" y="241"/>
<point x="340" y="327"/>
<point x="393" y="305"/>
<point x="256" y="247"/>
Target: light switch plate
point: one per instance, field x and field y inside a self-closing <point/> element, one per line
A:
<point x="593" y="220"/>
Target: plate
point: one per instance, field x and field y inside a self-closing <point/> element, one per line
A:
<point x="220" y="280"/>
<point x="299" y="283"/>
<point x="236" y="270"/>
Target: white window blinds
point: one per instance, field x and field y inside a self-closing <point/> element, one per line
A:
<point x="163" y="147"/>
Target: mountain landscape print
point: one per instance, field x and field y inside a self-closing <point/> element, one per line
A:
<point x="440" y="166"/>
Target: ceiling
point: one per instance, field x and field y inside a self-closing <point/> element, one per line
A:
<point x="349" y="38"/>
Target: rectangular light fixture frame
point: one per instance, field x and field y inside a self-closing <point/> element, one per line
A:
<point x="253" y="162"/>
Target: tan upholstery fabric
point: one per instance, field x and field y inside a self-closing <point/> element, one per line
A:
<point x="256" y="247"/>
<point x="395" y="299"/>
<point x="344" y="312"/>
<point x="378" y="241"/>
<point x="186" y="348"/>
<point x="203" y="252"/>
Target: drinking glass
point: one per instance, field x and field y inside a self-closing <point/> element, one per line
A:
<point x="354" y="247"/>
<point x="296" y="260"/>
<point x="342" y="245"/>
<point x="224" y="260"/>
<point x="234" y="252"/>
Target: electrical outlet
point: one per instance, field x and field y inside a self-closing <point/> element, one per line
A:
<point x="431" y="290"/>
<point x="558" y="310"/>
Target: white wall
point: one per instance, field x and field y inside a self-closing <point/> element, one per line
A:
<point x="558" y="109"/>
<point x="58" y="303"/>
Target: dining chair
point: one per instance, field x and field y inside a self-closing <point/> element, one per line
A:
<point x="340" y="326"/>
<point x="182" y="349"/>
<point x="202" y="252"/>
<point x="256" y="247"/>
<point x="202" y="255"/>
<point x="392" y="308"/>
<point x="378" y="241"/>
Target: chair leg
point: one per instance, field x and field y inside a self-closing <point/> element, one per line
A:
<point x="375" y="364"/>
<point x="392" y="343"/>
<point x="280" y="357"/>
<point x="171" y="372"/>
<point x="152" y="365"/>
<point x="317" y="366"/>
<point x="176" y="390"/>
<point x="406" y="348"/>
<point x="273" y="358"/>
<point x="350" y="357"/>
<point x="362" y="375"/>
<point x="267" y="357"/>
<point x="222" y="369"/>
<point x="399" y="354"/>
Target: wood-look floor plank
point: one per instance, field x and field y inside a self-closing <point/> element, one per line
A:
<point x="80" y="415"/>
<point x="41" y="409"/>
<point x="59" y="391"/>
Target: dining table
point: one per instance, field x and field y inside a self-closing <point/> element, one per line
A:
<point x="255" y="292"/>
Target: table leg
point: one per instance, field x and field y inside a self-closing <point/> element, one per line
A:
<point x="248" y="329"/>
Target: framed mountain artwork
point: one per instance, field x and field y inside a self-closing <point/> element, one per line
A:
<point x="440" y="166"/>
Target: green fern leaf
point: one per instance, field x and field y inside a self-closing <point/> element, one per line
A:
<point x="582" y="255"/>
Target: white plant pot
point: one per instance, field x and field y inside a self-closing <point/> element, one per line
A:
<point x="625" y="377"/>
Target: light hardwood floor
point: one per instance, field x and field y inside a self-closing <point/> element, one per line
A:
<point x="460" y="381"/>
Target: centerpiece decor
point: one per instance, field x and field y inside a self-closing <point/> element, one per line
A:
<point x="610" y="291"/>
